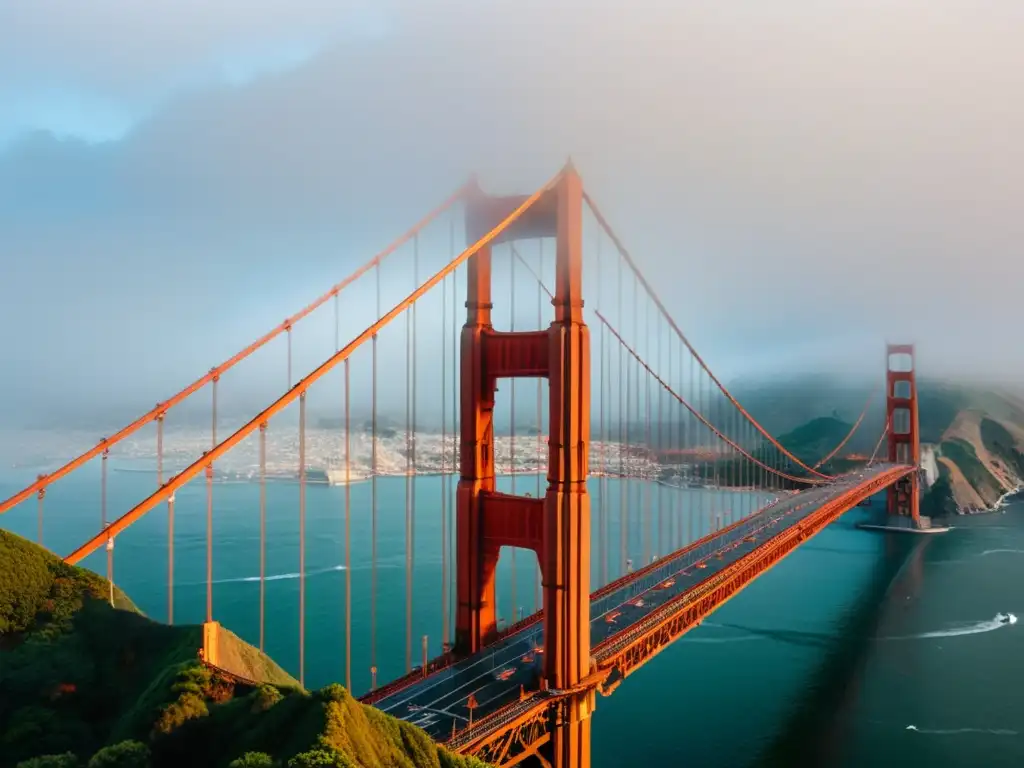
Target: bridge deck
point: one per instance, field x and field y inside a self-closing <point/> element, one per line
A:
<point x="495" y="675"/>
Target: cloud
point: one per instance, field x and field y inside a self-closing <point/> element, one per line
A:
<point x="805" y="180"/>
<point x="94" y="70"/>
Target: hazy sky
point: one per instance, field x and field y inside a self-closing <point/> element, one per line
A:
<point x="805" y="179"/>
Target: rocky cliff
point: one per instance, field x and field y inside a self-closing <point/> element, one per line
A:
<point x="980" y="455"/>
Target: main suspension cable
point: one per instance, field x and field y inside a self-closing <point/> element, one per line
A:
<point x="661" y="307"/>
<point x="699" y="417"/>
<point x="43" y="481"/>
<point x="192" y="470"/>
<point x="853" y="429"/>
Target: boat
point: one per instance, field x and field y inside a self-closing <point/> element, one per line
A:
<point x="337" y="476"/>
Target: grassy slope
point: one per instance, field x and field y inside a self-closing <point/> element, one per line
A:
<point x="787" y="405"/>
<point x="815" y="439"/>
<point x="783" y="405"/>
<point x="77" y="675"/>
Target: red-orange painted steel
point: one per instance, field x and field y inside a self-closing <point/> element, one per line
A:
<point x="513" y="521"/>
<point x="566" y="564"/>
<point x="476" y="561"/>
<point x="486" y="520"/>
<point x="523" y="728"/>
<point x="637" y="644"/>
<point x="904" y="497"/>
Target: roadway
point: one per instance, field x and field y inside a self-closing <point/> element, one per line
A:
<point x="494" y="676"/>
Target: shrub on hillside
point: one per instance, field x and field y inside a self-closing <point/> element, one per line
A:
<point x="127" y="754"/>
<point x="67" y="760"/>
<point x="253" y="760"/>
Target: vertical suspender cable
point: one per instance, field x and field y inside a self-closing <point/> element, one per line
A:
<point x="456" y="464"/>
<point x="727" y="469"/>
<point x="209" y="508"/>
<point x="635" y="369"/>
<point x="512" y="420"/>
<point x="170" y="560"/>
<point x="411" y="438"/>
<point x="444" y="447"/>
<point x="170" y="517"/>
<point x="103" y="517"/>
<point x="415" y="467"/>
<point x="647" y="434"/>
<point x="673" y="520"/>
<point x="537" y="575"/>
<point x="39" y="513"/>
<point x="623" y="400"/>
<point x="348" y="533"/>
<point x="408" y="490"/>
<point x="263" y="533"/>
<point x="602" y="503"/>
<point x="213" y="414"/>
<point x="686" y="501"/>
<point x="660" y="550"/>
<point x="373" y="501"/>
<point x="289" y="333"/>
<point x="716" y="419"/>
<point x="302" y="538"/>
<point x="209" y="542"/>
<point x="707" y="444"/>
<point x="700" y="455"/>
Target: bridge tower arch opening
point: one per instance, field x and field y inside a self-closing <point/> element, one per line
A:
<point x="557" y="526"/>
<point x="904" y="496"/>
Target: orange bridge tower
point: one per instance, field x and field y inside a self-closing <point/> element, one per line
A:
<point x="557" y="527"/>
<point x="904" y="496"/>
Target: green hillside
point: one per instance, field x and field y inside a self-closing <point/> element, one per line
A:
<point x="86" y="684"/>
<point x="785" y="404"/>
<point x="817" y="438"/>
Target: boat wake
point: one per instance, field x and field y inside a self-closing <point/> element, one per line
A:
<point x="956" y="731"/>
<point x="999" y="621"/>
<point x="719" y="640"/>
<point x="288" y="576"/>
<point x="280" y="576"/>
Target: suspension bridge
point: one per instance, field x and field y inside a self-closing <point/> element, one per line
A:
<point x="614" y="582"/>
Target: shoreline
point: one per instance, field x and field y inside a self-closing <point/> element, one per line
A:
<point x="1001" y="503"/>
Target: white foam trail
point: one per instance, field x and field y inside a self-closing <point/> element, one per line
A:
<point x="955" y="731"/>
<point x="279" y="576"/>
<point x="986" y="553"/>
<point x="716" y="640"/>
<point x="287" y="576"/>
<point x="976" y="628"/>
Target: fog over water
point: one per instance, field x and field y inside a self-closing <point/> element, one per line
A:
<point x="805" y="179"/>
